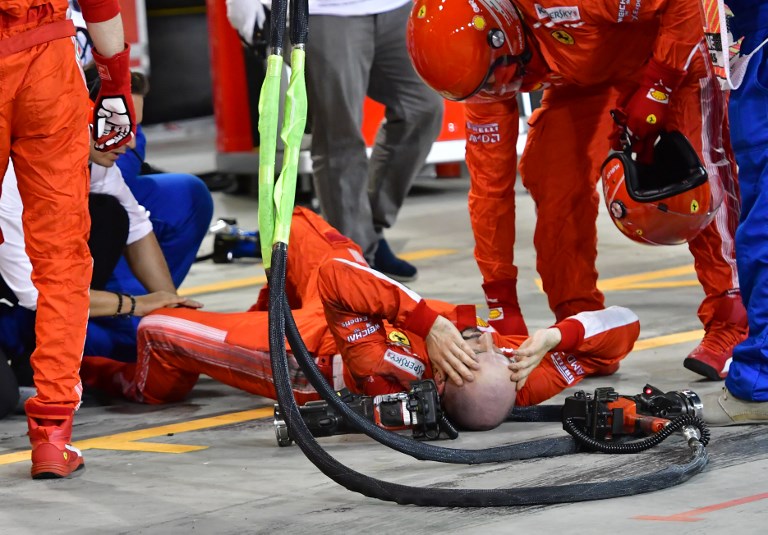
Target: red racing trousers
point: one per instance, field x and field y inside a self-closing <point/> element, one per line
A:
<point x="566" y="145"/>
<point x="44" y="131"/>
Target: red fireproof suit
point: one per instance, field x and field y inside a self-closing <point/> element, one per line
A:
<point x="377" y="326"/>
<point x="44" y="131"/>
<point x="596" y="50"/>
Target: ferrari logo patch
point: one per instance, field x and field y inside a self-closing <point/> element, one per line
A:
<point x="399" y="338"/>
<point x="563" y="37"/>
<point x="422" y="12"/>
<point x="694" y="206"/>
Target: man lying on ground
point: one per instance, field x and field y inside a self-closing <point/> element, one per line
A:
<point x="366" y="331"/>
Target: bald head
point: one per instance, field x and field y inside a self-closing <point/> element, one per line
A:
<point x="484" y="403"/>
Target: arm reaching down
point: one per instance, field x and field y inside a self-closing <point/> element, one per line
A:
<point x="146" y="260"/>
<point x="449" y="352"/>
<point x="111" y="304"/>
<point x="350" y="289"/>
<point x="530" y="353"/>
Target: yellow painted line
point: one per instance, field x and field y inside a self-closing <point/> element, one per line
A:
<point x="247" y="282"/>
<point x="223" y="286"/>
<point x="668" y="340"/>
<point x="127" y="441"/>
<point x="653" y="275"/>
<point x="150" y="447"/>
<point x="651" y="285"/>
<point x="645" y="280"/>
<point x="631" y="281"/>
<point x="427" y="253"/>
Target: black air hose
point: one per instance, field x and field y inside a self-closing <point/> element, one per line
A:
<point x="536" y="413"/>
<point x="638" y="445"/>
<point x="548" y="447"/>
<point x="445" y="497"/>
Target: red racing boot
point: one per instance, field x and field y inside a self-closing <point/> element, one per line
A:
<point x="712" y="357"/>
<point x="53" y="456"/>
<point x="504" y="312"/>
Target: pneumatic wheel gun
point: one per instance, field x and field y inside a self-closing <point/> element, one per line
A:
<point x="418" y="409"/>
<point x="607" y="415"/>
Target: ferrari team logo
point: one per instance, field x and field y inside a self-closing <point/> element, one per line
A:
<point x="651" y="119"/>
<point x="694" y="206"/>
<point x="478" y="22"/>
<point x="563" y="37"/>
<point x="399" y="338"/>
<point x="422" y="12"/>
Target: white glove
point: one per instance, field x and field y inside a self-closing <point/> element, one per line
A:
<point x="245" y="16"/>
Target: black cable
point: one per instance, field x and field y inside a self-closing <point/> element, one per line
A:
<point x="277" y="26"/>
<point x="638" y="445"/>
<point x="536" y="413"/>
<point x="549" y="447"/>
<point x="299" y="21"/>
<point x="446" y="497"/>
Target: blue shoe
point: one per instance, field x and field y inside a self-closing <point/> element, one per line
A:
<point x="387" y="263"/>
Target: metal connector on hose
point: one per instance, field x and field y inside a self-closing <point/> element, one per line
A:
<point x="692" y="434"/>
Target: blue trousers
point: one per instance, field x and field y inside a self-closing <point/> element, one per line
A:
<point x="748" y="375"/>
<point x="180" y="208"/>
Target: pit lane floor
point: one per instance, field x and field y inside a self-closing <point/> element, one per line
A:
<point x="211" y="463"/>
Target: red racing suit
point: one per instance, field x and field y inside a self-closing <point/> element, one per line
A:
<point x="377" y="325"/>
<point x="44" y="130"/>
<point x="596" y="50"/>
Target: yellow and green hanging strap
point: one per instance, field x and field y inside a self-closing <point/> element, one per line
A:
<point x="276" y="199"/>
<point x="269" y="109"/>
<point x="294" y="123"/>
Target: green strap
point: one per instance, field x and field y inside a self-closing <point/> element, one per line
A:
<point x="269" y="109"/>
<point x="294" y="123"/>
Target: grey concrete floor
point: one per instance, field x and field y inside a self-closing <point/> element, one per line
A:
<point x="233" y="479"/>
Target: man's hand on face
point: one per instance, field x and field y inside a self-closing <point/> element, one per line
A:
<point x="450" y="354"/>
<point x="530" y="353"/>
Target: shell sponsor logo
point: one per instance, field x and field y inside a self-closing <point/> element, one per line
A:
<point x="399" y="338"/>
<point x="481" y="322"/>
<point x="495" y="314"/>
<point x="478" y="22"/>
<point x="658" y="95"/>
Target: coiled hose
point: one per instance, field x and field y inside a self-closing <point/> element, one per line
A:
<point x="637" y="446"/>
<point x="443" y="497"/>
<point x="419" y="450"/>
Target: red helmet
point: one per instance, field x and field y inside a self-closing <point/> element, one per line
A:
<point x="468" y="48"/>
<point x="667" y="202"/>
